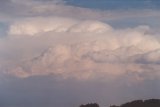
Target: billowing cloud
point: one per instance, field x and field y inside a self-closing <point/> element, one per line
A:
<point x="92" y="49"/>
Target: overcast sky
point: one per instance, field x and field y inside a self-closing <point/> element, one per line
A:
<point x="64" y="53"/>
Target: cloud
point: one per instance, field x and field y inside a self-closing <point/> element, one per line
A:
<point x="56" y="24"/>
<point x="18" y="9"/>
<point x="85" y="49"/>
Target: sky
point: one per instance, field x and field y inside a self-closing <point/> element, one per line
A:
<point x="116" y="4"/>
<point x="64" y="53"/>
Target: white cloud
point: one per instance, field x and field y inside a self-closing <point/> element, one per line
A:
<point x="56" y="24"/>
<point x="85" y="49"/>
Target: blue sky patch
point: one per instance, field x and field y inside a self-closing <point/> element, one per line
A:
<point x="116" y="4"/>
<point x="3" y="28"/>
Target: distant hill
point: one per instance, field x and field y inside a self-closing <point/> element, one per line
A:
<point x="141" y="103"/>
<point x="136" y="103"/>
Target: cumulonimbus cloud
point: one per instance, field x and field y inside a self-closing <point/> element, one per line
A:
<point x="99" y="50"/>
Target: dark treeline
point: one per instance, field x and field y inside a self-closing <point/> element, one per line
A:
<point x="90" y="105"/>
<point x="136" y="103"/>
